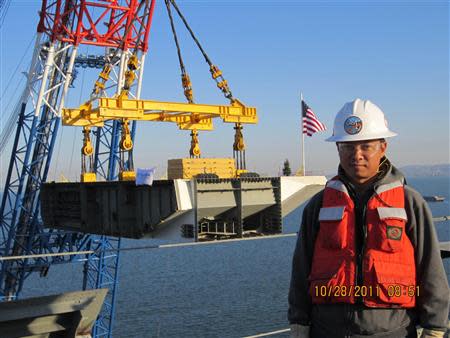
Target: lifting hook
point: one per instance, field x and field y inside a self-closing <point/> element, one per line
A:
<point x="195" y="147"/>
<point x="126" y="143"/>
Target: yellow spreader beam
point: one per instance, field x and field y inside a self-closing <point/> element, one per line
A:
<point x="187" y="116"/>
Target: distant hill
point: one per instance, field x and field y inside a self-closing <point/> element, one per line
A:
<point x="426" y="170"/>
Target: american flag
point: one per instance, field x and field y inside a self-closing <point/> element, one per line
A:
<point x="311" y="123"/>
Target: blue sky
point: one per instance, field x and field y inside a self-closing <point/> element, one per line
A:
<point x="395" y="53"/>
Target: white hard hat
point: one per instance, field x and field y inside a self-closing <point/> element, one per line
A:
<point x="359" y="120"/>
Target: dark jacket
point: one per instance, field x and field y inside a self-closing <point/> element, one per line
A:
<point x="356" y="320"/>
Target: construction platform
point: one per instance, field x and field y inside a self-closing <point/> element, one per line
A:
<point x="183" y="210"/>
<point x="70" y="314"/>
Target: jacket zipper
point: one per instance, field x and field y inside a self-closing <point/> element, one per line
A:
<point x="363" y="246"/>
<point x="359" y="276"/>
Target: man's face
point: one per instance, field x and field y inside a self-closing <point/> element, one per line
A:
<point x="360" y="159"/>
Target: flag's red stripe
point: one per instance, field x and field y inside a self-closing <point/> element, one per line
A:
<point x="311" y="130"/>
<point x="311" y="123"/>
<point x="314" y="124"/>
<point x="312" y="117"/>
<point x="308" y="131"/>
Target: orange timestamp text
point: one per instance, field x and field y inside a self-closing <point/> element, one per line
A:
<point x="393" y="290"/>
<point x="396" y="290"/>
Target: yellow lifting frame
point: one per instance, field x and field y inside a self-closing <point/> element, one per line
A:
<point x="187" y="116"/>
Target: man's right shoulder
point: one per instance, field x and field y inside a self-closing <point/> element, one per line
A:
<point x="312" y="208"/>
<point x="310" y="218"/>
<point x="315" y="202"/>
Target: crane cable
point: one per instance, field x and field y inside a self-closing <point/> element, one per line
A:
<point x="8" y="128"/>
<point x="222" y="84"/>
<point x="4" y="10"/>
<point x="187" y="86"/>
<point x="145" y="247"/>
<point x="194" y="151"/>
<point x="126" y="142"/>
<point x="216" y="74"/>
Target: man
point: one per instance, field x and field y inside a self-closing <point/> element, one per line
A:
<point x="367" y="260"/>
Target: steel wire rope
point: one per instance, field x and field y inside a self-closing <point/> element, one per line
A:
<point x="175" y="37"/>
<point x="270" y="333"/>
<point x="228" y="95"/>
<point x="148" y="247"/>
<point x="18" y="65"/>
<point x="4" y="10"/>
<point x="130" y="162"/>
<point x="221" y="83"/>
<point x="207" y="59"/>
<point x="185" y="80"/>
<point x="12" y="98"/>
<point x="6" y="132"/>
<point x="7" y="129"/>
<point x="75" y="129"/>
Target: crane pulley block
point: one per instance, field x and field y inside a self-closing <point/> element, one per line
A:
<point x="105" y="72"/>
<point x="215" y="71"/>
<point x="133" y="62"/>
<point x="100" y="85"/>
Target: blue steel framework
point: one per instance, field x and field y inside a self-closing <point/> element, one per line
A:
<point x="21" y="229"/>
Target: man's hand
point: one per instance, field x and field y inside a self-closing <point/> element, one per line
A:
<point x="300" y="331"/>
<point x="426" y="333"/>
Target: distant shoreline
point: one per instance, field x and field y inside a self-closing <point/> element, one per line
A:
<point x="415" y="170"/>
<point x="436" y="170"/>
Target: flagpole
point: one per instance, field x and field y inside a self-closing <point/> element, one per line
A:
<point x="303" y="169"/>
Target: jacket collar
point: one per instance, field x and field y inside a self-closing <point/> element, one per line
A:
<point x="387" y="178"/>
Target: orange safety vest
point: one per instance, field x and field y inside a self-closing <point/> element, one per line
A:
<point x="388" y="264"/>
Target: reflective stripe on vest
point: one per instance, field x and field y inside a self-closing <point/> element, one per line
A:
<point x="388" y="265"/>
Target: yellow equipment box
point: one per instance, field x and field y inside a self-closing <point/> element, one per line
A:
<point x="189" y="167"/>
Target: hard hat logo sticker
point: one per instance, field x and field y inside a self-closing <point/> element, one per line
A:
<point x="353" y="125"/>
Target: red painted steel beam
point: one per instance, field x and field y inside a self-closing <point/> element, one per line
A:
<point x="100" y="22"/>
<point x="147" y="28"/>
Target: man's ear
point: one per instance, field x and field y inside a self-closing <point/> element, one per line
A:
<point x="383" y="147"/>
